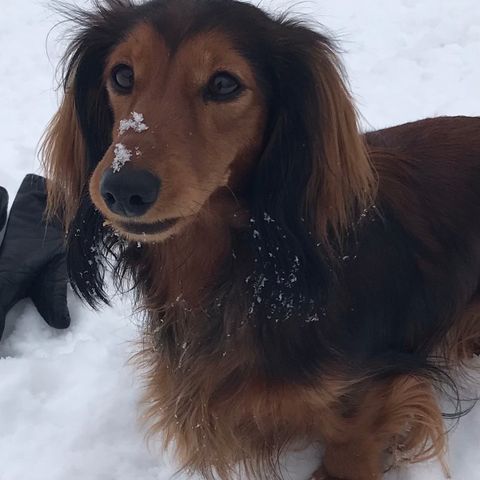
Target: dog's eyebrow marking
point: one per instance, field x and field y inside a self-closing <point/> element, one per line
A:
<point x="122" y="156"/>
<point x="136" y="123"/>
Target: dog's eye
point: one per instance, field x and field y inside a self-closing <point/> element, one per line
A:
<point x="222" y="87"/>
<point x="122" y="78"/>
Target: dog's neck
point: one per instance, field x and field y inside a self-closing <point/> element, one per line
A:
<point x="188" y="266"/>
<point x="193" y="300"/>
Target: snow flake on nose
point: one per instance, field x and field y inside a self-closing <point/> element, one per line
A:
<point x="122" y="156"/>
<point x="135" y="123"/>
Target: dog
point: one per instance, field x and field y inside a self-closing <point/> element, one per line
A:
<point x="302" y="281"/>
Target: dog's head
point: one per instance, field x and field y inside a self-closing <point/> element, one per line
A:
<point x="170" y="103"/>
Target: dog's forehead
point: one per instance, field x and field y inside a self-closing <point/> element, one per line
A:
<point x="143" y="42"/>
<point x="202" y="53"/>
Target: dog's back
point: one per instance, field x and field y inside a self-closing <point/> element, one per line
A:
<point x="429" y="189"/>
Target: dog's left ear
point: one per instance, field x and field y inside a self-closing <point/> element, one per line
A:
<point x="315" y="174"/>
<point x="312" y="181"/>
<point x="342" y="180"/>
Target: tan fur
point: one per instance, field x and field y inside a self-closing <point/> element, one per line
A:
<point x="63" y="158"/>
<point x="396" y="422"/>
<point x="343" y="182"/>
<point x="463" y="339"/>
<point x="365" y="426"/>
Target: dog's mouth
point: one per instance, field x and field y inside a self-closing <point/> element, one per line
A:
<point x="142" y="229"/>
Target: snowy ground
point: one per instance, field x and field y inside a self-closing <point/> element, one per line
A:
<point x="68" y="400"/>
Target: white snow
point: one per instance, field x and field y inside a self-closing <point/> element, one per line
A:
<point x="68" y="400"/>
<point x="135" y="123"/>
<point x="122" y="156"/>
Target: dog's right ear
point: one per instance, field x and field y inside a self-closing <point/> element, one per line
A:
<point x="64" y="161"/>
<point x="77" y="139"/>
<point x="80" y="132"/>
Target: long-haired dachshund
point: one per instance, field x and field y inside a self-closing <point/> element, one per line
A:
<point x="302" y="281"/>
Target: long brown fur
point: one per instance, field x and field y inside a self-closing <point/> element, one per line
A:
<point x="291" y="179"/>
<point x="343" y="181"/>
<point x="64" y="142"/>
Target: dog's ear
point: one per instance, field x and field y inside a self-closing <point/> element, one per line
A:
<point x="314" y="177"/>
<point x="80" y="132"/>
<point x="63" y="155"/>
<point x="315" y="169"/>
<point x="76" y="140"/>
<point x="342" y="181"/>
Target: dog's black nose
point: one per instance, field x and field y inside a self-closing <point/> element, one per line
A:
<point x="129" y="192"/>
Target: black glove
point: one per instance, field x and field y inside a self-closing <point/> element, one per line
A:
<point x="32" y="257"/>
<point x="3" y="210"/>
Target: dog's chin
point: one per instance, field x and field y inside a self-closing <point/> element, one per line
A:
<point x="148" y="232"/>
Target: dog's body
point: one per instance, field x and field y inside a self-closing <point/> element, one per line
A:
<point x="301" y="281"/>
<point x="406" y="281"/>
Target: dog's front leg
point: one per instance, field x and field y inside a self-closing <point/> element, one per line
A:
<point x="356" y="460"/>
<point x="396" y="420"/>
